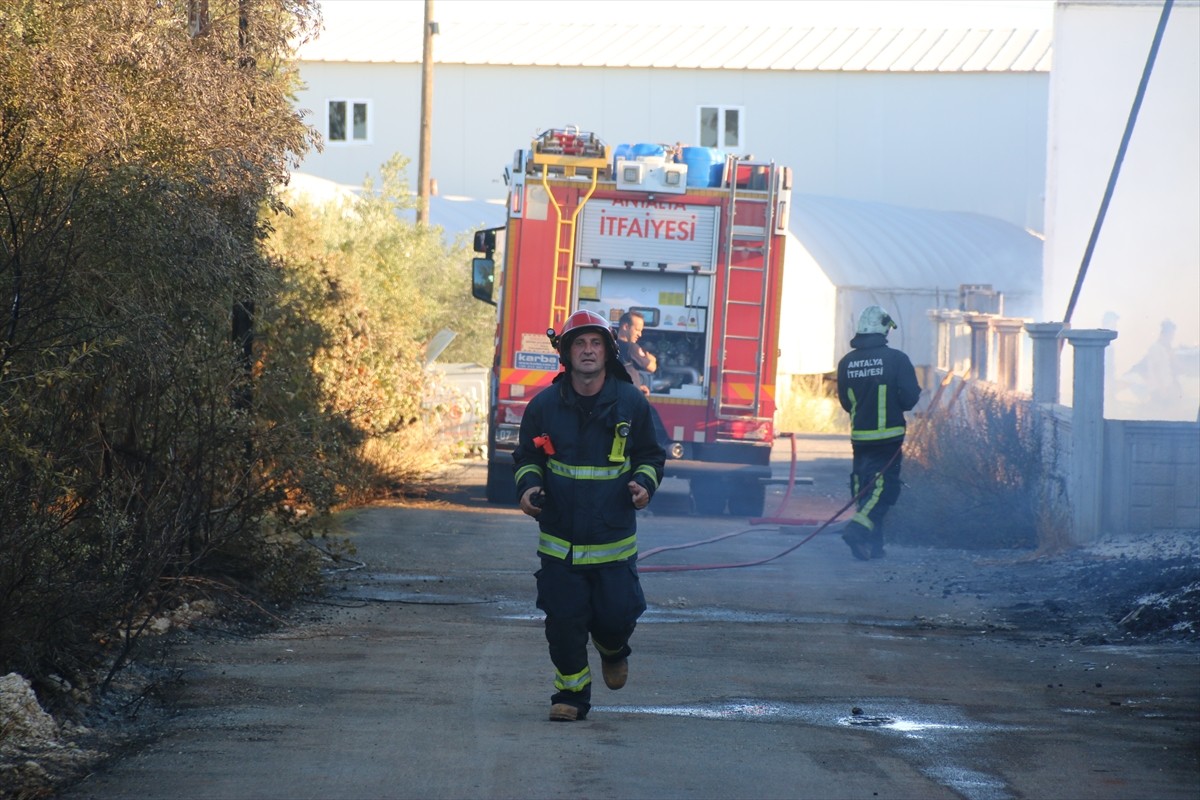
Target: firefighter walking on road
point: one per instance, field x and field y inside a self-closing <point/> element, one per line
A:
<point x="587" y="460"/>
<point x="876" y="385"/>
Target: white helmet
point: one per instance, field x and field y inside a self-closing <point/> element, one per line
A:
<point x="875" y="320"/>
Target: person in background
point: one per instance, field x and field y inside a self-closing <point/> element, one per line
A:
<point x="876" y="385"/>
<point x="632" y="354"/>
<point x="586" y="461"/>
<point x="1162" y="392"/>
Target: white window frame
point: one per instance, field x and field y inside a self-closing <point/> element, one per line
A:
<point x="722" y="112"/>
<point x="350" y="140"/>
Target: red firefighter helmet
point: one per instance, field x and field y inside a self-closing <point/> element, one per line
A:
<point x="583" y="320"/>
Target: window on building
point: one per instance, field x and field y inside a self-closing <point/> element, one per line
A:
<point x="349" y="121"/>
<point x="721" y="126"/>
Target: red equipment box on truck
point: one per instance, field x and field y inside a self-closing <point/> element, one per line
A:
<point x="695" y="246"/>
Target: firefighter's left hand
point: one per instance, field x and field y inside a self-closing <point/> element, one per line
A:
<point x="639" y="495"/>
<point x="527" y="501"/>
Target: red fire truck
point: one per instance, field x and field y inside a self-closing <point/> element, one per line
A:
<point x="699" y="255"/>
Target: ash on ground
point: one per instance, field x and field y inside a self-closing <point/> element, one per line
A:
<point x="1136" y="590"/>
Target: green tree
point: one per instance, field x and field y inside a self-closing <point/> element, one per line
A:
<point x="364" y="292"/>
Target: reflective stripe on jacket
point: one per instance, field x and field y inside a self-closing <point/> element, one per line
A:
<point x="588" y="518"/>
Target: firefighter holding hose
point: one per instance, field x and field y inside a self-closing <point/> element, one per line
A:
<point x="876" y="385"/>
<point x="587" y="460"/>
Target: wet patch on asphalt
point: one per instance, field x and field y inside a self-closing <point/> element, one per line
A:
<point x="933" y="737"/>
<point x="674" y="615"/>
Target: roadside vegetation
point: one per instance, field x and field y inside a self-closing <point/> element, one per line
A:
<point x="361" y="293"/>
<point x="809" y="404"/>
<point x="192" y="374"/>
<point x="977" y="475"/>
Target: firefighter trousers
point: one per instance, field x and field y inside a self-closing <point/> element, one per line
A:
<point x="603" y="602"/>
<point x="876" y="466"/>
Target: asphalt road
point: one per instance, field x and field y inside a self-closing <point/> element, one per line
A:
<point x="813" y="676"/>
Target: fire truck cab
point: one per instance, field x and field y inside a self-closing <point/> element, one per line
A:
<point x="693" y="242"/>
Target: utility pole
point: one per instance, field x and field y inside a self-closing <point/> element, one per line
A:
<point x="430" y="28"/>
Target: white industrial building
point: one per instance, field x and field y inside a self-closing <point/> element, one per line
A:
<point x="906" y="143"/>
<point x="918" y="117"/>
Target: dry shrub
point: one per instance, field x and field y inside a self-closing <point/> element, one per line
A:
<point x="975" y="475"/>
<point x="393" y="463"/>
<point x="809" y="404"/>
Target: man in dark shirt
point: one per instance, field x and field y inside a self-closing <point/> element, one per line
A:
<point x="640" y="363"/>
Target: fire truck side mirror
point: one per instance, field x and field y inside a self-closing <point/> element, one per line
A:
<point x="483" y="279"/>
<point x="485" y="241"/>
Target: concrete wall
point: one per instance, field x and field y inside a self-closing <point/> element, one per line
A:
<point x="1152" y="475"/>
<point x="957" y="141"/>
<point x="1114" y="476"/>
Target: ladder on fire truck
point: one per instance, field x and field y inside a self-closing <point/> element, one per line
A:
<point x="748" y="230"/>
<point x="567" y="151"/>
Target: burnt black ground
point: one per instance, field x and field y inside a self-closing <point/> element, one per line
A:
<point x="1124" y="589"/>
<point x="1095" y="598"/>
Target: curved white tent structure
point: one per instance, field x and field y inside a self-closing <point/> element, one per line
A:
<point x="845" y="255"/>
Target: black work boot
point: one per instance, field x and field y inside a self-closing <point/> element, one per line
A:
<point x="877" y="550"/>
<point x="856" y="537"/>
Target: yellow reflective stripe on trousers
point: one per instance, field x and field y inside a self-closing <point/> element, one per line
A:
<point x="588" y="473"/>
<point x="604" y="651"/>
<point x="573" y="683"/>
<point x="873" y="500"/>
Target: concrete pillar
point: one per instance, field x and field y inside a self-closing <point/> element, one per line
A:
<point x="941" y="339"/>
<point x="1087" y="432"/>
<point x="980" y="334"/>
<point x="1046" y="349"/>
<point x="956" y="353"/>
<point x="1008" y="351"/>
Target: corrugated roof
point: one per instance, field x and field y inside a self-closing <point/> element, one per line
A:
<point x="880" y="246"/>
<point x="750" y="47"/>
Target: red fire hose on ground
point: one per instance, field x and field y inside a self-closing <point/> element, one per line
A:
<point x="780" y="521"/>
<point x="776" y="520"/>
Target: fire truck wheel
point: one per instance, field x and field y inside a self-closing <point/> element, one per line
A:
<point x="747" y="499"/>
<point x="500" y="485"/>
<point x="709" y="495"/>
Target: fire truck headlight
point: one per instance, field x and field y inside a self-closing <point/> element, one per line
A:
<point x="675" y="450"/>
<point x="507" y="435"/>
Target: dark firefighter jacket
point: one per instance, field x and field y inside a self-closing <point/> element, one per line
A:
<point x="588" y="518"/>
<point x="876" y="385"/>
